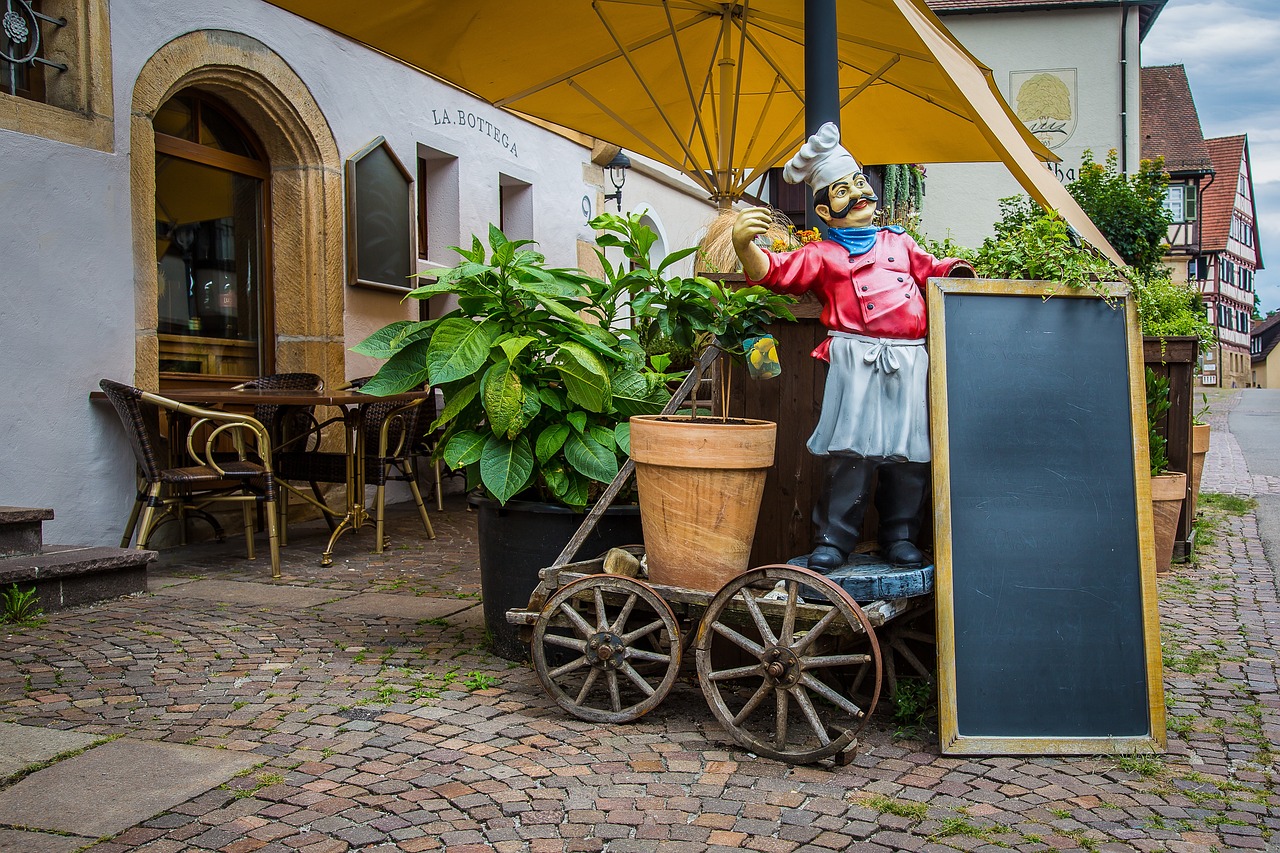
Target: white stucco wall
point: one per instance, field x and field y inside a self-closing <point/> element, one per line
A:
<point x="67" y="313"/>
<point x="66" y="320"/>
<point x="962" y="200"/>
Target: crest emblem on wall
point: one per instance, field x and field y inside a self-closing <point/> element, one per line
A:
<point x="1046" y="102"/>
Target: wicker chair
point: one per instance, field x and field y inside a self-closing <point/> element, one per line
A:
<point x="246" y="478"/>
<point x="390" y="433"/>
<point x="287" y="425"/>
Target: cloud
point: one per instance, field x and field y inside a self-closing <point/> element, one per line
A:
<point x="1203" y="35"/>
<point x="1229" y="50"/>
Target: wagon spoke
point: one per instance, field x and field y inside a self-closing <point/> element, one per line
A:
<point x="754" y="702"/>
<point x="830" y="695"/>
<point x="569" y="667"/>
<point x="646" y="655"/>
<point x="762" y="624"/>
<point x="832" y="614"/>
<point x="614" y="695"/>
<point x="631" y="636"/>
<point x="789" y="615"/>
<point x="563" y="642"/>
<point x="834" y="660"/>
<point x="736" y="672"/>
<point x="602" y="621"/>
<point x="587" y="684"/>
<point x="583" y="626"/>
<point x="780" y="726"/>
<point x="625" y="614"/>
<point x="636" y="678"/>
<point x="738" y="640"/>
<point x="810" y="713"/>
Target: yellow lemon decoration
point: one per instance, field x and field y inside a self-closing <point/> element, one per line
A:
<point x="762" y="358"/>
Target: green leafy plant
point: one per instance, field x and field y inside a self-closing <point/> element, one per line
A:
<point x="685" y="313"/>
<point x="477" y="680"/>
<point x="536" y="397"/>
<point x="1128" y="209"/>
<point x="1157" y="408"/>
<point x="912" y="703"/>
<point x="19" y="606"/>
<point x="539" y="372"/>
<point x="1032" y="243"/>
<point x="1200" y="416"/>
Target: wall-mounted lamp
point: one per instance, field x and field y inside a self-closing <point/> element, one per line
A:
<point x="616" y="169"/>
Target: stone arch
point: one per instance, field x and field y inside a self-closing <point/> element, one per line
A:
<point x="305" y="185"/>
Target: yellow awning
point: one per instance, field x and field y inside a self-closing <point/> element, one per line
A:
<point x="715" y="90"/>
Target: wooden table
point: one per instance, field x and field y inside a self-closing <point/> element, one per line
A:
<point x="352" y="405"/>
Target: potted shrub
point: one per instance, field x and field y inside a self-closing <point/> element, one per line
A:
<point x="700" y="478"/>
<point x="1168" y="488"/>
<point x="537" y="391"/>
<point x="1199" y="450"/>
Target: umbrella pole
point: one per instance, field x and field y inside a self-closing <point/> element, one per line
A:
<point x="821" y="77"/>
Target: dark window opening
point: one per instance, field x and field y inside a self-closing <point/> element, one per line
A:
<point x="213" y="314"/>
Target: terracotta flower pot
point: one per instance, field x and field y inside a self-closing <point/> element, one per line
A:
<point x="700" y="484"/>
<point x="1199" y="448"/>
<point x="1167" y="493"/>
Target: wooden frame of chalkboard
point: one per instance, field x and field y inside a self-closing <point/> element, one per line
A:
<point x="380" y="227"/>
<point x="1048" y="629"/>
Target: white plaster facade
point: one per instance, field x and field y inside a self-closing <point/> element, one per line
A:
<point x="67" y="316"/>
<point x="962" y="199"/>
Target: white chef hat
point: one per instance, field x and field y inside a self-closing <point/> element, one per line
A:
<point x="821" y="160"/>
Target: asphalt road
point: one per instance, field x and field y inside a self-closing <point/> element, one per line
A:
<point x="1255" y="422"/>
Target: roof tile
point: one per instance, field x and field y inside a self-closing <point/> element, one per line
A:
<point x="1170" y="123"/>
<point x="1219" y="198"/>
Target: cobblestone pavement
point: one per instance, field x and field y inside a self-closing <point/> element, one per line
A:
<point x="392" y="733"/>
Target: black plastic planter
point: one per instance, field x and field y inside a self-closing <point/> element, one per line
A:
<point x="523" y="537"/>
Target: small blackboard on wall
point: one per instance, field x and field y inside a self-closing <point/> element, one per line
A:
<point x="380" y="232"/>
<point x="1048" y="632"/>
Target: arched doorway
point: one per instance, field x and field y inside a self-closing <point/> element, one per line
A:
<point x="301" y="248"/>
<point x="212" y="214"/>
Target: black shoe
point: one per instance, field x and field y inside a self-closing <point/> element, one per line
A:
<point x="904" y="554"/>
<point x="826" y="558"/>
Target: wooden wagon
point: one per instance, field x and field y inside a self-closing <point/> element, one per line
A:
<point x="787" y="660"/>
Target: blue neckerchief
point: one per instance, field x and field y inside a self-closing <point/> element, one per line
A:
<point x="858" y="241"/>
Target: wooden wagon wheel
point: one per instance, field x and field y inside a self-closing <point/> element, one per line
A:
<point x="607" y="648"/>
<point x="760" y="660"/>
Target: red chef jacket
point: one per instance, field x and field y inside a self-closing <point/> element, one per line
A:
<point x="879" y="293"/>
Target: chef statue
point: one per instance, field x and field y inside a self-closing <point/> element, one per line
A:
<point x="875" y="415"/>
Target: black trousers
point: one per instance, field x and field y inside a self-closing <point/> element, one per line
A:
<point x="842" y="506"/>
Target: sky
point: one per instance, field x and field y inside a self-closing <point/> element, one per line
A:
<point x="1230" y="51"/>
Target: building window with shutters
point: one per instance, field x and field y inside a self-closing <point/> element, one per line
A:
<point x="1180" y="201"/>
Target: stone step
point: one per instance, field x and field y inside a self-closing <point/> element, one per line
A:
<point x="21" y="530"/>
<point x="70" y="576"/>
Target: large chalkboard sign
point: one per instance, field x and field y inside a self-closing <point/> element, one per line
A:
<point x="380" y="230"/>
<point x="1048" y="635"/>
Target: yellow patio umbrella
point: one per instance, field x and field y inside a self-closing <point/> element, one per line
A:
<point x="715" y="90"/>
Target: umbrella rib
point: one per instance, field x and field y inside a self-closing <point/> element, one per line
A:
<point x="626" y="54"/>
<point x="787" y="143"/>
<point x="697" y="177"/>
<point x="698" y="124"/>
<point x="755" y="135"/>
<point x="733" y="126"/>
<point x="596" y="63"/>
<point x="841" y="36"/>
